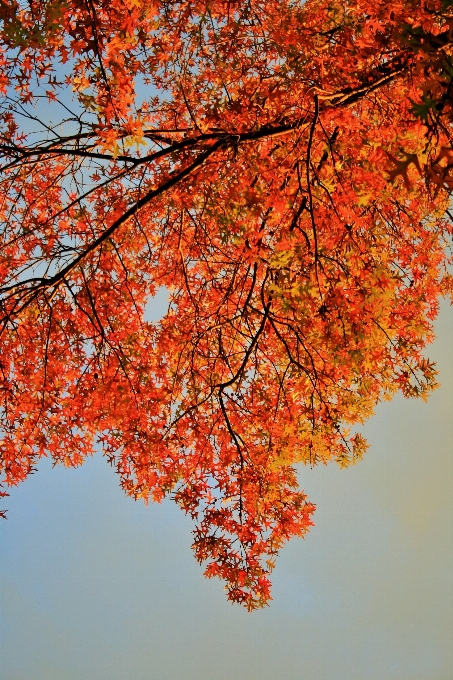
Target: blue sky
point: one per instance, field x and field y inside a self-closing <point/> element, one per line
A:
<point x="95" y="586"/>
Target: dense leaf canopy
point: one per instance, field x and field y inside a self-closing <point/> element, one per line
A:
<point x="282" y="169"/>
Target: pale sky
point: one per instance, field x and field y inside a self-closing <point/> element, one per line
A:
<point x="95" y="586"/>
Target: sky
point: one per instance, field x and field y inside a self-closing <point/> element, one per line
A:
<point x="95" y="586"/>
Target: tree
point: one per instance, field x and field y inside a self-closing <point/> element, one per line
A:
<point x="283" y="170"/>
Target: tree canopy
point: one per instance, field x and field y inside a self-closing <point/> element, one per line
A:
<point x="283" y="169"/>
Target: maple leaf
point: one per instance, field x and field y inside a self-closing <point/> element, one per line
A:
<point x="402" y="167"/>
<point x="424" y="109"/>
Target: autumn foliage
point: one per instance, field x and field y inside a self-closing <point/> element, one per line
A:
<point x="283" y="170"/>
